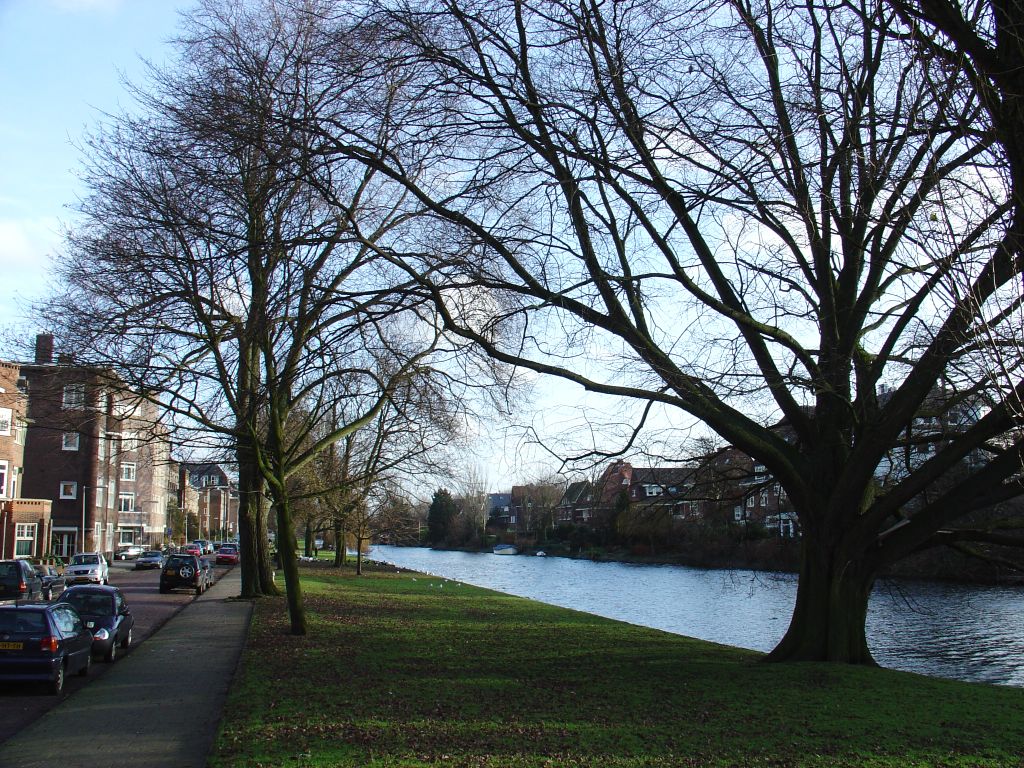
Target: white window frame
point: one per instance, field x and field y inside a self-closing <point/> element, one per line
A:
<point x="73" y="397"/>
<point x="125" y="496"/>
<point x="68" y="489"/>
<point x="4" y="472"/>
<point x="25" y="532"/>
<point x="129" y="441"/>
<point x="6" y="421"/>
<point x="70" y="441"/>
<point x="128" y="470"/>
<point x="20" y="432"/>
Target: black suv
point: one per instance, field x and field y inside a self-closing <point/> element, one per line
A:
<point x="185" y="572"/>
<point x="44" y="642"/>
<point x="19" y="581"/>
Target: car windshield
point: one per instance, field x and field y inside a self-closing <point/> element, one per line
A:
<point x="181" y="560"/>
<point x="91" y="603"/>
<point x="152" y="553"/>
<point x="14" y="620"/>
<point x="228" y="548"/>
<point x="85" y="560"/>
<point x="7" y="570"/>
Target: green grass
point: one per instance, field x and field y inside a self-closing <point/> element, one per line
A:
<point x="410" y="670"/>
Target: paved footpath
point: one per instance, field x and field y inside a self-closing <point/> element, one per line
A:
<point x="158" y="706"/>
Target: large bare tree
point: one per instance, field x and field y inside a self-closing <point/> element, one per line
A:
<point x="222" y="263"/>
<point x="776" y="218"/>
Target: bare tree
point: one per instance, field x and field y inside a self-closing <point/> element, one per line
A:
<point x="222" y="266"/>
<point x="756" y="214"/>
<point x="410" y="437"/>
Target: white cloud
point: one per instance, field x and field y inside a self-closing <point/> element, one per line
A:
<point x="25" y="249"/>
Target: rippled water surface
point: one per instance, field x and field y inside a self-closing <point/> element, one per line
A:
<point x="946" y="630"/>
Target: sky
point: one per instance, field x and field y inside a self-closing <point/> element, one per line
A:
<point x="62" y="64"/>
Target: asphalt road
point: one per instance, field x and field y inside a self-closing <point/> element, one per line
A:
<point x="23" y="703"/>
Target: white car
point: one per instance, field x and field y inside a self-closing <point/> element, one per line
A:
<point x="87" y="568"/>
<point x="128" y="552"/>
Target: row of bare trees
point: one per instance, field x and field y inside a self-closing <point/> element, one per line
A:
<point x="227" y="268"/>
<point x="748" y="213"/>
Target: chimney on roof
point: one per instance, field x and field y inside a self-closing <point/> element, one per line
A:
<point x="44" y="348"/>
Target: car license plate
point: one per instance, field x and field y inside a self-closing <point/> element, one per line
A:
<point x="11" y="646"/>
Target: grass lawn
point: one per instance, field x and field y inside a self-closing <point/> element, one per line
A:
<point x="402" y="669"/>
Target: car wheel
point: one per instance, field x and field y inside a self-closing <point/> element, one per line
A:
<point x="84" y="671"/>
<point x="127" y="640"/>
<point x="57" y="684"/>
<point x="111" y="656"/>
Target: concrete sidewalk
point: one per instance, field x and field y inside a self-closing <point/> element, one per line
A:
<point x="158" y="706"/>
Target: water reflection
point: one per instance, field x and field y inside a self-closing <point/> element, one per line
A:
<point x="946" y="630"/>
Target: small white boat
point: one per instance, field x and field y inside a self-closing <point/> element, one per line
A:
<point x="506" y="549"/>
<point x="542" y="553"/>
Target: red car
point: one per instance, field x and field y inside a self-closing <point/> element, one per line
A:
<point x="192" y="549"/>
<point x="227" y="555"/>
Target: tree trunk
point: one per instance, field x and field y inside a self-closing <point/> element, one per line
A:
<point x="266" y="568"/>
<point x="339" y="544"/>
<point x="359" y="555"/>
<point x="286" y="547"/>
<point x="831" y="607"/>
<point x="249" y="515"/>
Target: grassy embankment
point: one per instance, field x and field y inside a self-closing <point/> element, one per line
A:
<point x="411" y="670"/>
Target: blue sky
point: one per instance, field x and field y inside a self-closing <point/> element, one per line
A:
<point x="61" y="65"/>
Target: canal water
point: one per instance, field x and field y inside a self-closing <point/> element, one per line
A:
<point x="963" y="632"/>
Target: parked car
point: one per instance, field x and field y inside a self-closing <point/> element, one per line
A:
<point x="185" y="571"/>
<point x="227" y="555"/>
<point x="19" y="581"/>
<point x="87" y="568"/>
<point x="53" y="580"/>
<point x="151" y="558"/>
<point x="191" y="549"/>
<point x="106" y="614"/>
<point x="205" y="546"/>
<point x="43" y="641"/>
<point x="128" y="552"/>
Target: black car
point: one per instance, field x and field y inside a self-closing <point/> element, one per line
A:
<point x="53" y="581"/>
<point x="183" y="571"/>
<point x="106" y="615"/>
<point x="19" y="581"/>
<point x="43" y="641"/>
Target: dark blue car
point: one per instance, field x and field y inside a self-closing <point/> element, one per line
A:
<point x="106" y="615"/>
<point x="43" y="642"/>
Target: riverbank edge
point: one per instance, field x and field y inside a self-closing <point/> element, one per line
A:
<point x="783" y="556"/>
<point x="401" y="668"/>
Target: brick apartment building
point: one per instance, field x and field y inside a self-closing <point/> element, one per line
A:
<point x="97" y="452"/>
<point x="209" y="492"/>
<point x="24" y="523"/>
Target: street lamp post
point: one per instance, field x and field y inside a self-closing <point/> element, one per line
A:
<point x="85" y="493"/>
